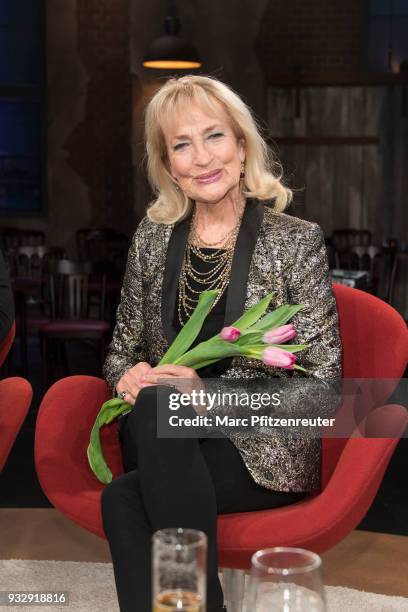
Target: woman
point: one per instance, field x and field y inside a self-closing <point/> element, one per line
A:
<point x="208" y="227"/>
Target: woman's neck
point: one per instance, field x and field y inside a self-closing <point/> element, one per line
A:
<point x="222" y="214"/>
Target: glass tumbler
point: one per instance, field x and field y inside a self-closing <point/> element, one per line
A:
<point x="179" y="564"/>
<point x="285" y="579"/>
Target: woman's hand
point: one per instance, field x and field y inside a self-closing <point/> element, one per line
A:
<point x="183" y="378"/>
<point x="130" y="381"/>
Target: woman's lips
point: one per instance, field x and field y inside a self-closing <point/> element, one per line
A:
<point x="210" y="178"/>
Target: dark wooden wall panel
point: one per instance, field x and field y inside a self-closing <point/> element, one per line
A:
<point x="358" y="180"/>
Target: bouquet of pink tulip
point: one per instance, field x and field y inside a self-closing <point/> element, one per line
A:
<point x="254" y="335"/>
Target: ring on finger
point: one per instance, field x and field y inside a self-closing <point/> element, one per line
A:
<point x="122" y="394"/>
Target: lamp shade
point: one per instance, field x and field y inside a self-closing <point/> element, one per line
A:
<point x="171" y="52"/>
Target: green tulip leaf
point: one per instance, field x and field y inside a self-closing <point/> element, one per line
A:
<point x="109" y="411"/>
<point x="278" y="317"/>
<point x="249" y="337"/>
<point x="210" y="349"/>
<point x="256" y="350"/>
<point x="298" y="367"/>
<point x="291" y="348"/>
<point x="253" y="314"/>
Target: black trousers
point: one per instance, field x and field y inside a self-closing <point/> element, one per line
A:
<point x="172" y="482"/>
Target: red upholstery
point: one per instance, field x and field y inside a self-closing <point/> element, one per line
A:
<point x="15" y="400"/>
<point x="7" y="343"/>
<point x="373" y="334"/>
<point x="374" y="339"/>
<point x="65" y="418"/>
<point x="353" y="468"/>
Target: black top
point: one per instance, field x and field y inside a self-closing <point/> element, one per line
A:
<point x="214" y="321"/>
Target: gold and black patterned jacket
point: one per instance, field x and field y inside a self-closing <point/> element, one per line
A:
<point x="275" y="253"/>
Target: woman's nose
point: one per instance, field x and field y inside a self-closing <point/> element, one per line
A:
<point x="202" y="156"/>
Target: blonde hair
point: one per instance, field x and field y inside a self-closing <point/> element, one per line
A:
<point x="263" y="173"/>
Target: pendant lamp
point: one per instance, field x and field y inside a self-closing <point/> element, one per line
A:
<point x="171" y="51"/>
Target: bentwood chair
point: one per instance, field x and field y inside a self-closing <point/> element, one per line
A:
<point x="107" y="250"/>
<point x="73" y="317"/>
<point x="375" y="345"/>
<point x="343" y="240"/>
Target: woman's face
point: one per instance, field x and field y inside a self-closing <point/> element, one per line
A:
<point x="204" y="154"/>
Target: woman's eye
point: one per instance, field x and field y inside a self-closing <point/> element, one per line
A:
<point x="216" y="135"/>
<point x="179" y="146"/>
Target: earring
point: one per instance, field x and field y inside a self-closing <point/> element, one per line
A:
<point x="242" y="174"/>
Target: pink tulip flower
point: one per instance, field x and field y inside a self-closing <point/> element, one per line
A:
<point x="278" y="357"/>
<point x="280" y="335"/>
<point x="230" y="334"/>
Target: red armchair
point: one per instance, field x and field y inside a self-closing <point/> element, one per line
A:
<point x="375" y="345"/>
<point x="7" y="344"/>
<point x="15" y="399"/>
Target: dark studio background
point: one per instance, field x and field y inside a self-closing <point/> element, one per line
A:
<point x="327" y="80"/>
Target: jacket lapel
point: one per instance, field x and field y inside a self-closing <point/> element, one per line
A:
<point x="244" y="248"/>
<point x="237" y="288"/>
<point x="172" y="270"/>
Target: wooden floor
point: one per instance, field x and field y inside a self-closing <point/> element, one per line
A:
<point x="367" y="561"/>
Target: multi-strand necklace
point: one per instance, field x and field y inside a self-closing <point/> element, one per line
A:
<point x="217" y="277"/>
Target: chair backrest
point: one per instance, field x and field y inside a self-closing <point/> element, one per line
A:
<point x="7" y="343"/>
<point x="69" y="290"/>
<point x="346" y="238"/>
<point x="343" y="239"/>
<point x="366" y="256"/>
<point x="30" y="261"/>
<point x="375" y="345"/>
<point x="374" y="335"/>
<point x="12" y="238"/>
<point x="16" y="392"/>
<point x="379" y="263"/>
<point x="399" y="283"/>
<point x="103" y="246"/>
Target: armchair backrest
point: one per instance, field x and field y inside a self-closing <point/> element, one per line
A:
<point x="70" y="291"/>
<point x="6" y="344"/>
<point x="373" y="334"/>
<point x="375" y="345"/>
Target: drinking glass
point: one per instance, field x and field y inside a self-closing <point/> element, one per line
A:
<point x="179" y="563"/>
<point x="285" y="579"/>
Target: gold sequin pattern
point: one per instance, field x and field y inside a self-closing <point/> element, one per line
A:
<point x="290" y="260"/>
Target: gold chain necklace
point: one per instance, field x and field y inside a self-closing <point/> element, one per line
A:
<point x="215" y="278"/>
<point x="195" y="238"/>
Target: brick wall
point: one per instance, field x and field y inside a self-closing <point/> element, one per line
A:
<point x="315" y="34"/>
<point x="99" y="148"/>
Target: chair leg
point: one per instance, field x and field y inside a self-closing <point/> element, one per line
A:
<point x="24" y="351"/>
<point x="233" y="582"/>
<point x="64" y="361"/>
